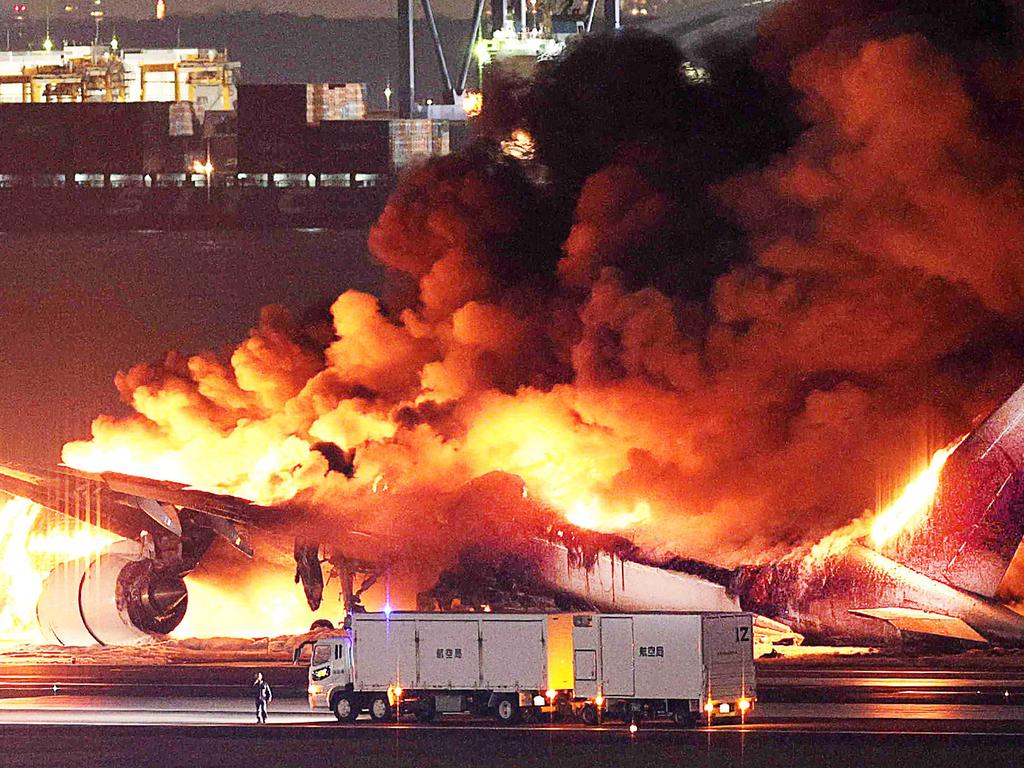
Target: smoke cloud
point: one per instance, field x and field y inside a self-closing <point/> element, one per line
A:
<point x="721" y="314"/>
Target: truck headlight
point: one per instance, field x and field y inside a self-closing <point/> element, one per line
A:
<point x="315" y="689"/>
<point x="743" y="704"/>
<point x="724" y="708"/>
<point x="538" y="701"/>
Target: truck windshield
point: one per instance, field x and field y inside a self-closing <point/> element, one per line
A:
<point x="321" y="654"/>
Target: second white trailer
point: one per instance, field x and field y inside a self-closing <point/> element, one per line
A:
<point x="685" y="666"/>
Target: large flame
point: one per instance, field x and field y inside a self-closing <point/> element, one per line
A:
<point x="28" y="552"/>
<point x="266" y="605"/>
<point x="913" y="504"/>
<point x="908" y="510"/>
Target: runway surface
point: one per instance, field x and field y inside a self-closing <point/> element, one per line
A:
<point x="202" y="716"/>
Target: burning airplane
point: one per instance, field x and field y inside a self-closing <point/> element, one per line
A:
<point x="705" y="335"/>
<point x="928" y="566"/>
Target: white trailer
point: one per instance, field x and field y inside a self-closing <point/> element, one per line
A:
<point x="511" y="665"/>
<point x="680" y="665"/>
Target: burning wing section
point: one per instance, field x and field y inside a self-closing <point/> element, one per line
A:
<point x="936" y="577"/>
<point x="135" y="588"/>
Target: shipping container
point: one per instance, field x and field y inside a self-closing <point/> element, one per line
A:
<point x="412" y="141"/>
<point x="81" y="138"/>
<point x="273" y="135"/>
<point x="335" y="101"/>
<point x="34" y="138"/>
<point x="354" y="146"/>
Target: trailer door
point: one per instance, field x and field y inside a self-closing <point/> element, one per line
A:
<point x="728" y="643"/>
<point x="514" y="654"/>
<point x="617" y="656"/>
<point x="385" y="653"/>
<point x="449" y="653"/>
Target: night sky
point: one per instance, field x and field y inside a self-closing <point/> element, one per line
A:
<point x="76" y="308"/>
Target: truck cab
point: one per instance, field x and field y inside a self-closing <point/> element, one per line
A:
<point x="330" y="672"/>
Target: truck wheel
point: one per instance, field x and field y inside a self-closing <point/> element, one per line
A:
<point x="589" y="715"/>
<point x="380" y="708"/>
<point x="507" y="710"/>
<point x="682" y="715"/>
<point x="345" y="709"/>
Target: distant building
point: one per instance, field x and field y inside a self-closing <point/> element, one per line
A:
<point x="89" y="73"/>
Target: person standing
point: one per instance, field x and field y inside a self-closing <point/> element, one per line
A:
<point x="263" y="696"/>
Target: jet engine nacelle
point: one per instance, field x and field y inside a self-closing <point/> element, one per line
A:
<point x="114" y="598"/>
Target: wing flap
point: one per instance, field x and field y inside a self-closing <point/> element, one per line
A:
<point x="923" y="622"/>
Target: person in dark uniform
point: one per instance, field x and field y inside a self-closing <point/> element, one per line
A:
<point x="263" y="696"/>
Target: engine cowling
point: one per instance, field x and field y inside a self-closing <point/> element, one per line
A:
<point x="115" y="598"/>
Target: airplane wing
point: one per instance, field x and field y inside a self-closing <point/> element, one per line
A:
<point x="126" y="504"/>
<point x="923" y="622"/>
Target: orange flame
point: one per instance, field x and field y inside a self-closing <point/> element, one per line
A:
<point x="267" y="605"/>
<point x="908" y="510"/>
<point x="472" y="103"/>
<point x="913" y="504"/>
<point x="28" y="554"/>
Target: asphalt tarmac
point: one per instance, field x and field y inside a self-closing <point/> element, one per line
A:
<point x="202" y="716"/>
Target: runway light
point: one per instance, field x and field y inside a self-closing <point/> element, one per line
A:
<point x="743" y="704"/>
<point x="632" y="728"/>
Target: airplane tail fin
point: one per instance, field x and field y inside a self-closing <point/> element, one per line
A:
<point x="977" y="520"/>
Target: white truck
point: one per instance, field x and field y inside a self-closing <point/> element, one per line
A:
<point x="685" y="666"/>
<point x="510" y="665"/>
<point x="631" y="666"/>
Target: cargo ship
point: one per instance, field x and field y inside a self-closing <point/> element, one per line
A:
<point x="93" y="137"/>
